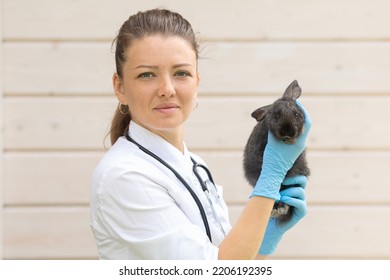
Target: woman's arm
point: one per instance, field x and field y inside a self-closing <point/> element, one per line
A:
<point x="244" y="240"/>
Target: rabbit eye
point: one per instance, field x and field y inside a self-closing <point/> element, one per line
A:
<point x="296" y="115"/>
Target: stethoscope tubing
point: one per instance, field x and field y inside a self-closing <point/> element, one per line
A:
<point x="181" y="179"/>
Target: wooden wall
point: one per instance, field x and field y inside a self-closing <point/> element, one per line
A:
<point x="1" y="137"/>
<point x="58" y="102"/>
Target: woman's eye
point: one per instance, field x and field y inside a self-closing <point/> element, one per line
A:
<point x="146" y="75"/>
<point x="182" y="74"/>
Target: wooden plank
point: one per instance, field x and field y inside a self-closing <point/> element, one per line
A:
<point x="218" y="123"/>
<point x="337" y="177"/>
<point x="248" y="20"/>
<point x="326" y="233"/>
<point x="64" y="123"/>
<point x="320" y="68"/>
<point x="1" y="133"/>
<point x="352" y="232"/>
<point x="226" y="68"/>
<point x="64" y="178"/>
<point x="338" y="123"/>
<point x="349" y="178"/>
<point x="56" y="68"/>
<point x="48" y="233"/>
<point x="49" y="178"/>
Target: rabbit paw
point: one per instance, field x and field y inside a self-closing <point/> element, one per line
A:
<point x="280" y="209"/>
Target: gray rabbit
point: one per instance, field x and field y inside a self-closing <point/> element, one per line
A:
<point x="285" y="120"/>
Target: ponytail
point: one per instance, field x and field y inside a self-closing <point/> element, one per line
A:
<point x="119" y="125"/>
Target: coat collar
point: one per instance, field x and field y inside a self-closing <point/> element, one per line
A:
<point x="160" y="147"/>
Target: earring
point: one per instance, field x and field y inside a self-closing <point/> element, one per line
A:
<point x="120" y="108"/>
<point x="196" y="105"/>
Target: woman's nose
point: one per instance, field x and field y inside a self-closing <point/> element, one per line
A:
<point x="167" y="88"/>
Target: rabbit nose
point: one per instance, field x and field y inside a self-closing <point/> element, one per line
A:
<point x="288" y="140"/>
<point x="287" y="133"/>
<point x="287" y="130"/>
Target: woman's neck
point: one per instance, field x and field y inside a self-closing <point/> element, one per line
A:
<point x="175" y="139"/>
<point x="172" y="136"/>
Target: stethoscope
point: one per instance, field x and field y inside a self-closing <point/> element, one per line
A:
<point x="186" y="185"/>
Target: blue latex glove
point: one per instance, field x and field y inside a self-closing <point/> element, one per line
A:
<point x="278" y="158"/>
<point x="295" y="197"/>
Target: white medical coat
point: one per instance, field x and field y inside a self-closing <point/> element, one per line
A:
<point x="140" y="210"/>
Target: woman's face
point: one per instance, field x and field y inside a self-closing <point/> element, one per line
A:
<point x="159" y="83"/>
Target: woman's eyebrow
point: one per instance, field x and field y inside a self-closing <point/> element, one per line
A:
<point x="154" y="67"/>
<point x="181" y="65"/>
<point x="146" y="66"/>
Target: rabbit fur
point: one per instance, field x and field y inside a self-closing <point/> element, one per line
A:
<point x="285" y="120"/>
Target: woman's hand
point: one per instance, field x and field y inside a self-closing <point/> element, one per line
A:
<point x="296" y="198"/>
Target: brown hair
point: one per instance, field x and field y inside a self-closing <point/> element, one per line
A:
<point x="157" y="21"/>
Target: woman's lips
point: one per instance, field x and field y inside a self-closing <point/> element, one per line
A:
<point x="167" y="108"/>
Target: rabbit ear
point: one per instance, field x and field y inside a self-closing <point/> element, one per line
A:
<point x="259" y="114"/>
<point x="293" y="90"/>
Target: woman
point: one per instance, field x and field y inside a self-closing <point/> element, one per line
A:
<point x="151" y="197"/>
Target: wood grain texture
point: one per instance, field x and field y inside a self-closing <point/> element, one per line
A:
<point x="58" y="68"/>
<point x="341" y="123"/>
<point x="339" y="232"/>
<point x="48" y="233"/>
<point x="338" y="178"/>
<point x="1" y="133"/>
<point x="57" y="123"/>
<point x="53" y="178"/>
<point x="64" y="178"/>
<point x="63" y="123"/>
<point x="322" y="68"/>
<point x="231" y="20"/>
